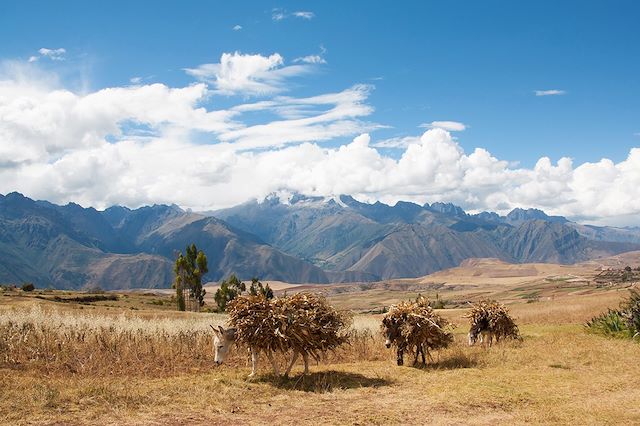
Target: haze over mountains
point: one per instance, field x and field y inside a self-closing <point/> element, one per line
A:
<point x="301" y="240"/>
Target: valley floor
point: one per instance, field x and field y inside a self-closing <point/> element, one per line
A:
<point x="557" y="375"/>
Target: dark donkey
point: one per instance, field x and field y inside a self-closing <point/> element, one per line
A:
<point x="395" y="337"/>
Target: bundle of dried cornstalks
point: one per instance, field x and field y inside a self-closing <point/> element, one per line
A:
<point x="303" y="322"/>
<point x="417" y="324"/>
<point x="493" y="317"/>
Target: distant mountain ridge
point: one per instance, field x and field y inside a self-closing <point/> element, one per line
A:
<point x="302" y="239"/>
<point x="408" y="240"/>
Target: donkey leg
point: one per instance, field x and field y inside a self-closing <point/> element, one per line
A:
<point x="294" y="358"/>
<point x="422" y="350"/>
<point x="399" y="356"/>
<point x="274" y="364"/>
<point x="305" y="358"/>
<point x="254" y="362"/>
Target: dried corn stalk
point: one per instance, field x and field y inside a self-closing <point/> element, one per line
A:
<point x="303" y="322"/>
<point x="417" y="324"/>
<point x="492" y="316"/>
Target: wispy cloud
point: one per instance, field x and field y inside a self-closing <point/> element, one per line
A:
<point x="279" y="14"/>
<point x="397" y="142"/>
<point x="316" y="118"/>
<point x="304" y="14"/>
<point x="450" y="126"/>
<point x="550" y="92"/>
<point x="53" y="54"/>
<point x="245" y="74"/>
<point x="237" y="27"/>
<point x="311" y="59"/>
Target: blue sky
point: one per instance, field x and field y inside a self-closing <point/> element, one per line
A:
<point x="474" y="62"/>
<point x="477" y="64"/>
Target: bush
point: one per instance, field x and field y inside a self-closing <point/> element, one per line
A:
<point x="623" y="322"/>
<point x="631" y="311"/>
<point x="610" y="323"/>
<point x="28" y="287"/>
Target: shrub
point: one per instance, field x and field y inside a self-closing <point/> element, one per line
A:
<point x="631" y="311"/>
<point x="610" y="323"/>
<point x="28" y="287"/>
<point x="623" y="322"/>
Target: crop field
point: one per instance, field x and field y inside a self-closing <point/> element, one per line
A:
<point x="134" y="361"/>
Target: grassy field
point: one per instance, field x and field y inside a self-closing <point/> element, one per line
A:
<point x="133" y="361"/>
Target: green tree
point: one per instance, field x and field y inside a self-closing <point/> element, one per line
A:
<point x="229" y="289"/>
<point x="257" y="288"/>
<point x="189" y="270"/>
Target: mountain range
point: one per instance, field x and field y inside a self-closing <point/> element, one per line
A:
<point x="299" y="240"/>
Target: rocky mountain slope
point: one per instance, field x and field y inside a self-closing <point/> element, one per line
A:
<point x="408" y="240"/>
<point x="300" y="240"/>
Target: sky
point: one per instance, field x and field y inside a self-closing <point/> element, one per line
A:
<point x="490" y="105"/>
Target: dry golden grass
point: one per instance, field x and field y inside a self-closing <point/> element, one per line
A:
<point x="151" y="367"/>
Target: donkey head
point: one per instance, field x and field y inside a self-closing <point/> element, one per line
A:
<point x="391" y="332"/>
<point x="477" y="327"/>
<point x="222" y="341"/>
<point x="473" y="336"/>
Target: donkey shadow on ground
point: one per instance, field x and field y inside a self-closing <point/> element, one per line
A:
<point x="450" y="362"/>
<point x="325" y="381"/>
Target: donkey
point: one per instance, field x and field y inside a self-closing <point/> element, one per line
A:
<point x="394" y="336"/>
<point x="483" y="332"/>
<point x="223" y="339"/>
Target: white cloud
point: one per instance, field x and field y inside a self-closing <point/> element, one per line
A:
<point x="551" y="92"/>
<point x="397" y="142"/>
<point x="156" y="144"/>
<point x="53" y="54"/>
<point x="245" y="74"/>
<point x="278" y="14"/>
<point x="237" y="27"/>
<point x="135" y="80"/>
<point x="304" y="15"/>
<point x="451" y="126"/>
<point x="316" y="118"/>
<point x="311" y="59"/>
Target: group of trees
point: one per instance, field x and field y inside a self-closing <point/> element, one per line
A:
<point x="189" y="270"/>
<point x="233" y="287"/>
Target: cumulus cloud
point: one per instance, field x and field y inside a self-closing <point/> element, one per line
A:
<point x="551" y="92"/>
<point x="237" y="27"/>
<point x="245" y="74"/>
<point x="158" y="144"/>
<point x="451" y="126"/>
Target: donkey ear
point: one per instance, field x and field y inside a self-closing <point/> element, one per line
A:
<point x="214" y="329"/>
<point x="221" y="329"/>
